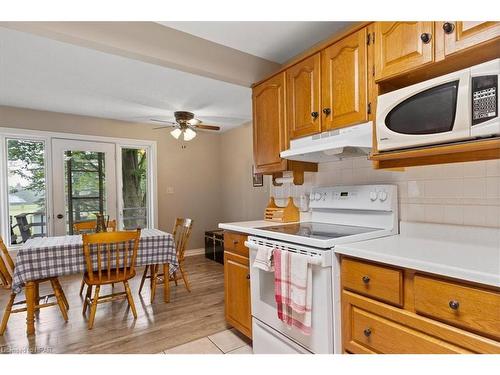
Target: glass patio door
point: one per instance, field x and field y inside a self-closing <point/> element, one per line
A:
<point x="84" y="182"/>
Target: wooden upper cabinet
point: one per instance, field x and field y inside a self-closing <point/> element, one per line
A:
<point x="460" y="35"/>
<point x="269" y="128"/>
<point x="303" y="97"/>
<point x="344" y="82"/>
<point x="402" y="46"/>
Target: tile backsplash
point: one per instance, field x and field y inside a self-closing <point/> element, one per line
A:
<point x="459" y="193"/>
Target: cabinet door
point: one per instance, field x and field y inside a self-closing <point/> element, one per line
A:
<point x="464" y="34"/>
<point x="303" y="97"/>
<point x="237" y="292"/>
<point x="402" y="46"/>
<point x="343" y="82"/>
<point x="269" y="128"/>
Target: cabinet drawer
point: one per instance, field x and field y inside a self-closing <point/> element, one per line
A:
<point x="379" y="282"/>
<point x="380" y="335"/>
<point x="464" y="306"/>
<point x="235" y="242"/>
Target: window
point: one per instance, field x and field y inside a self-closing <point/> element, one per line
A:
<point x="84" y="174"/>
<point x="428" y="112"/>
<point x="134" y="187"/>
<point x="26" y="183"/>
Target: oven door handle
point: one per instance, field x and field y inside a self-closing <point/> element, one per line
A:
<point x="314" y="260"/>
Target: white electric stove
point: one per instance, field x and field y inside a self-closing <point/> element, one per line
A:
<point x="340" y="215"/>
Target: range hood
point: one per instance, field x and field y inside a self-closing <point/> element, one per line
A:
<point x="332" y="145"/>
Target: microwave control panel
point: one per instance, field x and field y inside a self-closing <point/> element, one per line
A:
<point x="484" y="98"/>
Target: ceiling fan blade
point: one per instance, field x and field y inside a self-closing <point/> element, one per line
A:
<point x="207" y="127"/>
<point x="164" y="127"/>
<point x="163" y="121"/>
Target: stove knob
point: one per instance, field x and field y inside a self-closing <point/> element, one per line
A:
<point x="324" y="196"/>
<point x="373" y="196"/>
<point x="382" y="195"/>
<point x="317" y="196"/>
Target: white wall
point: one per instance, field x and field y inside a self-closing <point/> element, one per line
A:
<point x="240" y="200"/>
<point x="459" y="193"/>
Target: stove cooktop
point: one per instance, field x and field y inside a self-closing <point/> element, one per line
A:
<point x="320" y="231"/>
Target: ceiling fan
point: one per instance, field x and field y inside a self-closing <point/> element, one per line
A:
<point x="185" y="125"/>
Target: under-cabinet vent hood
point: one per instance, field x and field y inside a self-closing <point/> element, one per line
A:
<point x="332" y="145"/>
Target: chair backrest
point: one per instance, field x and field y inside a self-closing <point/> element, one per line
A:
<point x="89" y="226"/>
<point x="181" y="233"/>
<point x="6" y="265"/>
<point x="111" y="253"/>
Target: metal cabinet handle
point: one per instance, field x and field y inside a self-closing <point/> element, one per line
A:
<point x="367" y="332"/>
<point x="314" y="115"/>
<point x="327" y="111"/>
<point x="448" y="27"/>
<point x="248" y="277"/>
<point x="454" y="305"/>
<point x="235" y="242"/>
<point x="425" y="37"/>
<point x="366" y="279"/>
<point x="60" y="216"/>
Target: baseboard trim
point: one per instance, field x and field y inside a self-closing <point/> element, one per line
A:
<point x="192" y="252"/>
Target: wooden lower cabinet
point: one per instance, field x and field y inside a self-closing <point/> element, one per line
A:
<point x="421" y="325"/>
<point x="237" y="285"/>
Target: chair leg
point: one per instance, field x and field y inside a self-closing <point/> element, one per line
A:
<point x="63" y="295"/>
<point x="93" y="308"/>
<point x="59" y="299"/>
<point x="87" y="297"/>
<point x="144" y="275"/>
<point x="166" y="281"/>
<point x="175" y="278"/>
<point x="130" y="299"/>
<point x="37" y="297"/>
<point x="6" y="314"/>
<point x="154" y="276"/>
<point x="82" y="286"/>
<point x="184" y="277"/>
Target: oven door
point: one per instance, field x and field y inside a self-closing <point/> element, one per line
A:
<point x="264" y="307"/>
<point x="430" y="112"/>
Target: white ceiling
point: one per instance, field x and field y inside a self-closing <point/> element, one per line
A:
<point x="40" y="73"/>
<point x="277" y="41"/>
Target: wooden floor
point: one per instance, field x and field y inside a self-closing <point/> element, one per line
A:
<point x="159" y="326"/>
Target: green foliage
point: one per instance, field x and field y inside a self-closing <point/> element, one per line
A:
<point x="30" y="157"/>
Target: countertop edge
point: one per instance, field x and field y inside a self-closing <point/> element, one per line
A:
<point x="419" y="265"/>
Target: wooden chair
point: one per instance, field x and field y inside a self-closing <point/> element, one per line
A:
<point x="82" y="227"/>
<point x="181" y="233"/>
<point x="6" y="274"/>
<point x="109" y="258"/>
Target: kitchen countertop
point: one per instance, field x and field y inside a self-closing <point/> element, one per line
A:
<point x="462" y="252"/>
<point x="248" y="227"/>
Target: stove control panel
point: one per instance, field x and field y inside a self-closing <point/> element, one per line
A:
<point x="360" y="197"/>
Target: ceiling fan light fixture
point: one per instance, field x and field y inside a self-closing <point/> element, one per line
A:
<point x="194" y="121"/>
<point x="176" y="133"/>
<point x="189" y="134"/>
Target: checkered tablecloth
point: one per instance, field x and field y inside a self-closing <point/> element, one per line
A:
<point x="44" y="257"/>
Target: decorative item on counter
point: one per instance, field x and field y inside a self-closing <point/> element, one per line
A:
<point x="286" y="214"/>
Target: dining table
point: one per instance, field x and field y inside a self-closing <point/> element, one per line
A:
<point x="44" y="257"/>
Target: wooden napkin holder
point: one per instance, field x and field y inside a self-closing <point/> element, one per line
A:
<point x="286" y="214"/>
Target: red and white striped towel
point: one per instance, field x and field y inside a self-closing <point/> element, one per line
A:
<point x="293" y="289"/>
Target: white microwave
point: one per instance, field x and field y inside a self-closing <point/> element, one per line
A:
<point x="457" y="106"/>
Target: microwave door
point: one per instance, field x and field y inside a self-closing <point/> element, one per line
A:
<point x="431" y="112"/>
